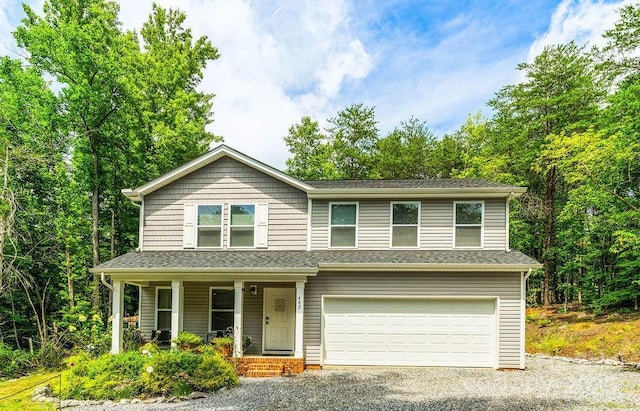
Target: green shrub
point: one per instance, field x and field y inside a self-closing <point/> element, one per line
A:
<point x="148" y="371"/>
<point x="14" y="363"/>
<point x="108" y="377"/>
<point x="213" y="373"/>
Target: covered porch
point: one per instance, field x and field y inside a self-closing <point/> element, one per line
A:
<point x="260" y="295"/>
<point x="267" y="314"/>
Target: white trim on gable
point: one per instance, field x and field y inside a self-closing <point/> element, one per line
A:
<point x="221" y="151"/>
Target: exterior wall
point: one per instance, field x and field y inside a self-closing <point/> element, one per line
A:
<point x="504" y="286"/>
<point x="436" y="224"/>
<point x="223" y="182"/>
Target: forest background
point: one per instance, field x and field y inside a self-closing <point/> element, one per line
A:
<point x="92" y="109"/>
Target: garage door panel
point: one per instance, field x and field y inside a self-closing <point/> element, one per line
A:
<point x="409" y="332"/>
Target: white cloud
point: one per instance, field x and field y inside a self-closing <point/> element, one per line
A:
<point x="584" y="21"/>
<point x="279" y="61"/>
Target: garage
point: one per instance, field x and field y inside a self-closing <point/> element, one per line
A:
<point x="409" y="331"/>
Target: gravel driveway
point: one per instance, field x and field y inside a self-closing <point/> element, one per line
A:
<point x="547" y="384"/>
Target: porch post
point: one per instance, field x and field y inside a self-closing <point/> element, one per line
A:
<point x="237" y="318"/>
<point x="116" y="324"/>
<point x="177" y="297"/>
<point x="299" y="319"/>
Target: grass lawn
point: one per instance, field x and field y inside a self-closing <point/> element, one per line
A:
<point x="579" y="334"/>
<point x="22" y="401"/>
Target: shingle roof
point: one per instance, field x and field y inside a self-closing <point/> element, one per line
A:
<point x="413" y="183"/>
<point x="252" y="260"/>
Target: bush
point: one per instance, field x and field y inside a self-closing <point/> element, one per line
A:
<point x="109" y="377"/>
<point x="14" y="363"/>
<point x="148" y="371"/>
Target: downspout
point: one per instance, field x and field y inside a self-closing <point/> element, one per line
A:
<point x="104" y="281"/>
<point x="506" y="224"/>
<point x="523" y="303"/>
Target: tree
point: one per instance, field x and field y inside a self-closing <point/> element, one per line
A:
<point x="353" y="134"/>
<point x="560" y="95"/>
<point x="310" y="152"/>
<point x="406" y="151"/>
<point x="131" y="113"/>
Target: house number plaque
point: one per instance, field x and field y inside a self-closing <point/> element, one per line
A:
<point x="299" y="303"/>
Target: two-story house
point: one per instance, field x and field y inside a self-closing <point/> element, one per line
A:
<point x="367" y="272"/>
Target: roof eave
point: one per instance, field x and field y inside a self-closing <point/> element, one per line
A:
<point x="205" y="270"/>
<point x="430" y="267"/>
<point x="360" y="193"/>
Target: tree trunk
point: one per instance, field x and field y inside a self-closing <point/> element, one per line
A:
<point x="95" y="220"/>
<point x="67" y="258"/>
<point x="550" y="187"/>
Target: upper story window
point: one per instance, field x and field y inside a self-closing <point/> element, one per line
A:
<point x="209" y="226"/>
<point x="221" y="307"/>
<point x="405" y="221"/>
<point x="468" y="219"/>
<point x="242" y="226"/>
<point x="343" y="220"/>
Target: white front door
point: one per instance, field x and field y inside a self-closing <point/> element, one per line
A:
<point x="279" y="320"/>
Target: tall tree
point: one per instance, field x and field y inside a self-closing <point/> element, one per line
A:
<point x="310" y="152"/>
<point x="560" y="95"/>
<point x="131" y="113"/>
<point x="406" y="151"/>
<point x="354" y="134"/>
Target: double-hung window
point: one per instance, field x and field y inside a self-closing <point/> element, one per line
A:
<point x="343" y="218"/>
<point x="209" y="226"/>
<point x="468" y="218"/>
<point x="221" y="309"/>
<point x="163" y="308"/>
<point x="242" y="225"/>
<point x="405" y="220"/>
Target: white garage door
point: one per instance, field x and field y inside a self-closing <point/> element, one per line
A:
<point x="409" y="331"/>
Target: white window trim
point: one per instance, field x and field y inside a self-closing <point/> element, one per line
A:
<point x="155" y="305"/>
<point x="357" y="204"/>
<point x="211" y="304"/>
<point x="455" y="225"/>
<point x="196" y="225"/>
<point x="391" y="225"/>
<point x="255" y="225"/>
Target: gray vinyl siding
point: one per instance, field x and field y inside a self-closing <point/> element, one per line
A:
<point x="504" y="286"/>
<point x="225" y="181"/>
<point x="436" y="224"/>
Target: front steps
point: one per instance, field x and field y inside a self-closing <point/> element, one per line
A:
<point x="269" y="366"/>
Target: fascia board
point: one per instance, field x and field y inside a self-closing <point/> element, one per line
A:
<point x="409" y="193"/>
<point x="354" y="267"/>
<point x="205" y="270"/>
<point x="217" y="277"/>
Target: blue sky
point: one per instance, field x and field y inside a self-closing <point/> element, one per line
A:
<point x="438" y="61"/>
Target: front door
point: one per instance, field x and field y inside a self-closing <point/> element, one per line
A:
<point x="279" y="320"/>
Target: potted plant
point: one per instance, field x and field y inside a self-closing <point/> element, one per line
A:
<point x="187" y="340"/>
<point x="224" y="345"/>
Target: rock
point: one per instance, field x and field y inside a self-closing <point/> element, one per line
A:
<point x="42" y="390"/>
<point x="125" y="401"/>
<point x="161" y="400"/>
<point x="136" y="401"/>
<point x="108" y="403"/>
<point x="197" y="394"/>
<point x="70" y="403"/>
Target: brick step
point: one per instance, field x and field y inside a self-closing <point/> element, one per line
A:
<point x="263" y="373"/>
<point x="261" y="366"/>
